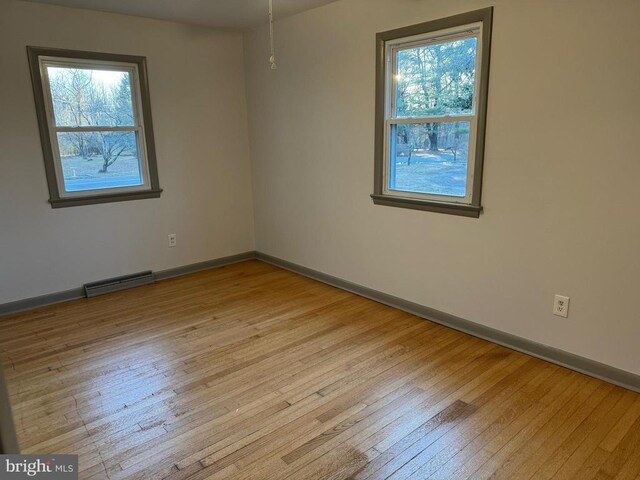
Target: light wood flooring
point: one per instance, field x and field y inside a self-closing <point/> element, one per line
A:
<point x="250" y="371"/>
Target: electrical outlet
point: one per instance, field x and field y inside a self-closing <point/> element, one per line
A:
<point x="561" y="306"/>
<point x="173" y="240"/>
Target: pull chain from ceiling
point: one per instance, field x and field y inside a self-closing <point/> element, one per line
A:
<point x="272" y="58"/>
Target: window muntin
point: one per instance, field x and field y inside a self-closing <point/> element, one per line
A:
<point x="431" y="115"/>
<point x="96" y="127"/>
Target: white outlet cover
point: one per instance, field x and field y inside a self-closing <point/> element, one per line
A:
<point x="173" y="240"/>
<point x="561" y="306"/>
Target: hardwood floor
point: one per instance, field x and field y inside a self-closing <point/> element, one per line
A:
<point x="250" y="371"/>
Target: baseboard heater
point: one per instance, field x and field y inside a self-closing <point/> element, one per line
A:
<point x="120" y="283"/>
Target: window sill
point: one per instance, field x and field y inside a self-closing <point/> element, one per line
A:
<point x="106" y="198"/>
<point x="428" y="205"/>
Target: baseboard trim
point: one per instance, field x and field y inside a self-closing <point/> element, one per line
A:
<point x="41" y="301"/>
<point x="554" y="355"/>
<point x="77" y="293"/>
<point x="198" y="267"/>
<point x="580" y="364"/>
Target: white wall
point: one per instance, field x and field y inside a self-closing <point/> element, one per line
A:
<point x="562" y="169"/>
<point x="561" y="173"/>
<point x="198" y="102"/>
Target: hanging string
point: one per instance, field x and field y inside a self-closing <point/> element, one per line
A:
<point x="272" y="59"/>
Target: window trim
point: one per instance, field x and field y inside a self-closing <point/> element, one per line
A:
<point x="381" y="194"/>
<point x="144" y="127"/>
<point x="391" y="118"/>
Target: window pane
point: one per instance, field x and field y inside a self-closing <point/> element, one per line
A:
<point x="85" y="97"/>
<point x="436" y="79"/>
<point x="430" y="158"/>
<point x="97" y="160"/>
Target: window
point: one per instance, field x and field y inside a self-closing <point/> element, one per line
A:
<point x="431" y="102"/>
<point x="95" y="126"/>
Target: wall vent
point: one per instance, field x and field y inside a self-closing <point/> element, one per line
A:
<point x="120" y="283"/>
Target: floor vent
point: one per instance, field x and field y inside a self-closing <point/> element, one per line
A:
<point x="121" y="283"/>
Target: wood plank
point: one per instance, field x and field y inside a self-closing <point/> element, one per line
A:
<point x="251" y="372"/>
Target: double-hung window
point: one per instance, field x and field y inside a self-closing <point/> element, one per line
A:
<point x="430" y="114"/>
<point x="95" y="126"/>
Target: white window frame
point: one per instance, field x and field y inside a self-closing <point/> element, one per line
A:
<point x="137" y="128"/>
<point x="432" y="38"/>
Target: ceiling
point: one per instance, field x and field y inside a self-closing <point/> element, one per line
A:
<point x="237" y="14"/>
